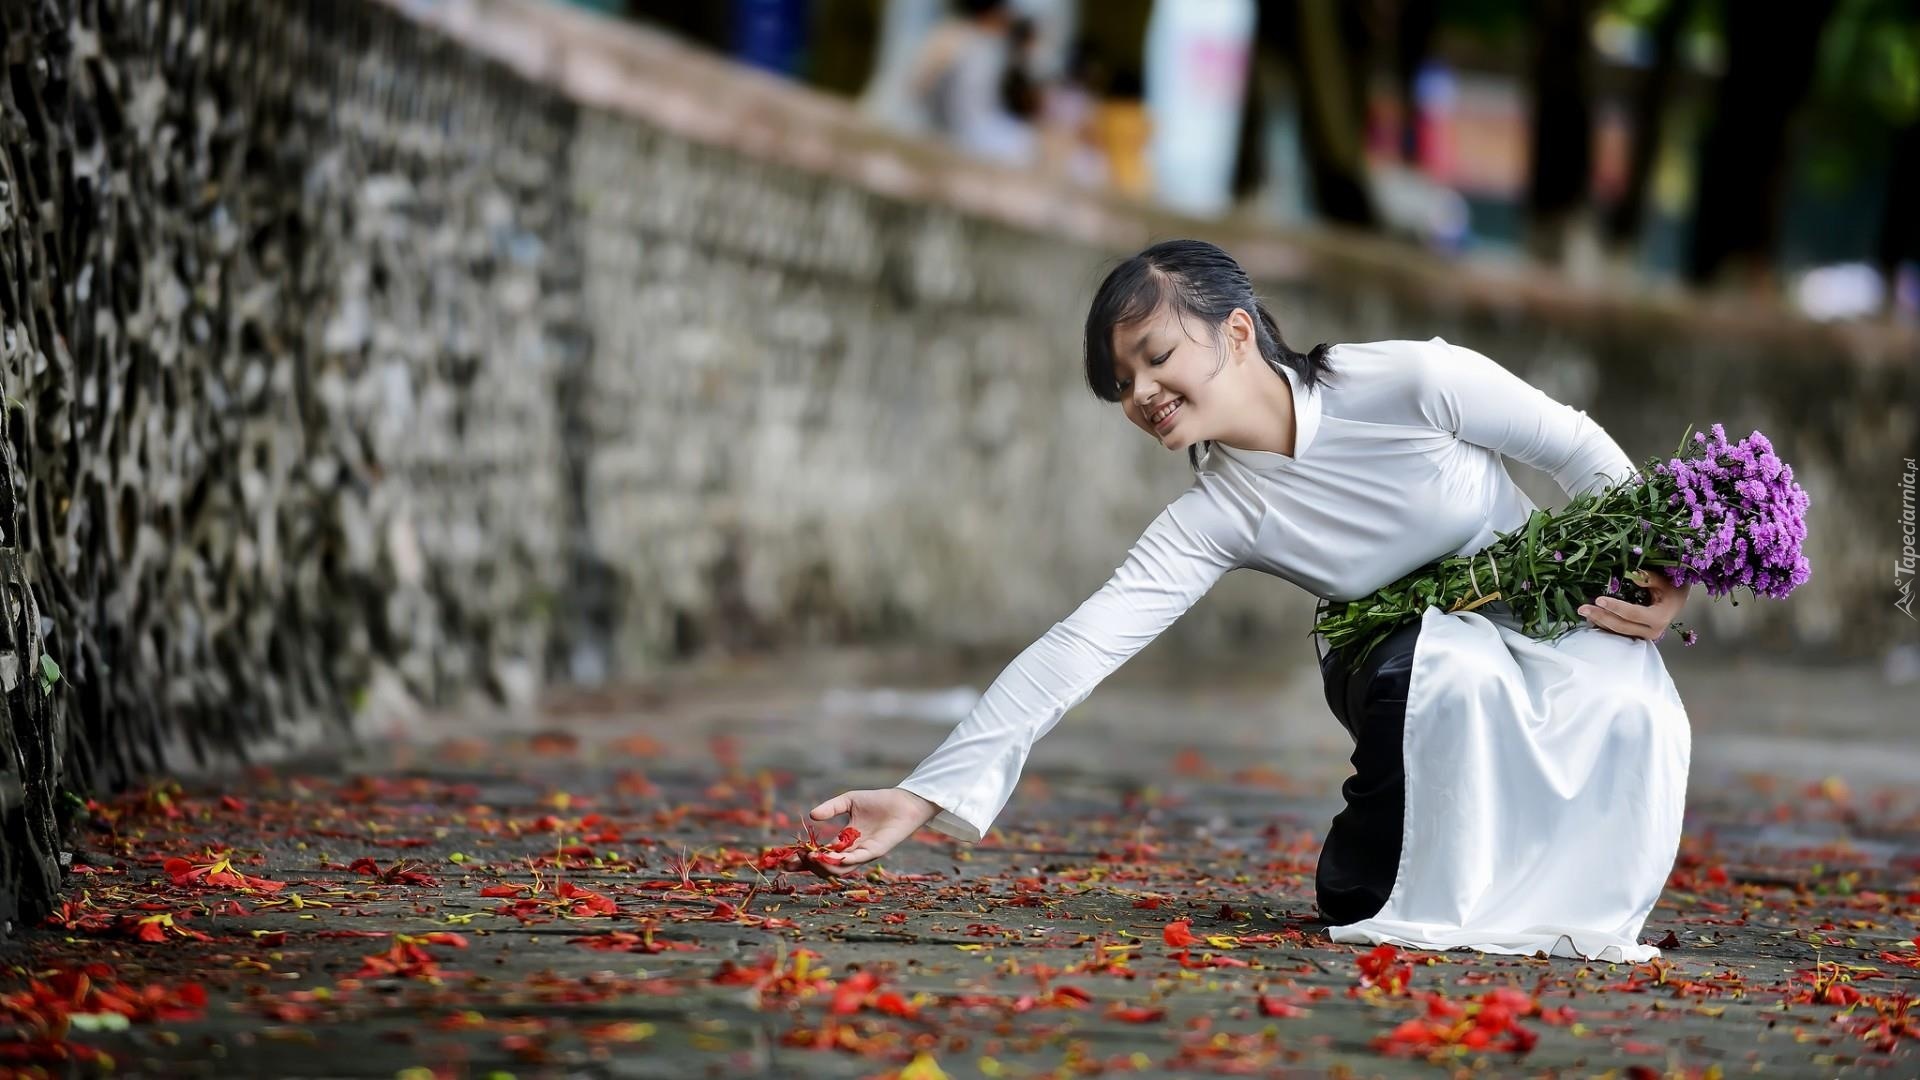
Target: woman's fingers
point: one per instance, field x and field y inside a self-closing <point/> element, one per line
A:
<point x="854" y="855"/>
<point x="842" y="863"/>
<point x="846" y="862"/>
<point x="1629" y="613"/>
<point x="834" y="807"/>
<point x="1609" y="613"/>
<point x="877" y="817"/>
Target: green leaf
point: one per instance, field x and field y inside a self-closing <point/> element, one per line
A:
<point x="49" y="673"/>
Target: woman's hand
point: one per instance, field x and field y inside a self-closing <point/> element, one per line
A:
<point x="1648" y="621"/>
<point x="884" y="817"/>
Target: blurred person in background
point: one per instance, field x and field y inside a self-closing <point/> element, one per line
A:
<point x="1020" y="86"/>
<point x="956" y="83"/>
<point x="1121" y="130"/>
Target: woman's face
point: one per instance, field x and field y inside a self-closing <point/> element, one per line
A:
<point x="1173" y="382"/>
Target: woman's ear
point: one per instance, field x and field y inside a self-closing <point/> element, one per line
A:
<point x="1242" y="338"/>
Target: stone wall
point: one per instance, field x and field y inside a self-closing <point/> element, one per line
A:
<point x="283" y="294"/>
<point x="453" y="346"/>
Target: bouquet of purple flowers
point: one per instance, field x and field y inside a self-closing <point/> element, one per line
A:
<point x="1725" y="515"/>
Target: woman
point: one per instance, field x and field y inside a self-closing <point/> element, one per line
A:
<point x="1510" y="795"/>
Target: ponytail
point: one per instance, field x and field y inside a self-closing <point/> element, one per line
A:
<point x="1311" y="366"/>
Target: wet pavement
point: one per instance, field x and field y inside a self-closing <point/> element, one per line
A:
<point x="574" y="893"/>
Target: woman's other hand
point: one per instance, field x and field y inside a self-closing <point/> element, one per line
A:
<point x="1648" y="621"/>
<point x="884" y="817"/>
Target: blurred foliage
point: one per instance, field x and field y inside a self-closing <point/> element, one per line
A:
<point x="1866" y="84"/>
<point x="1870" y="59"/>
<point x="1495" y="21"/>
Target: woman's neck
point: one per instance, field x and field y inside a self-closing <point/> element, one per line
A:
<point x="1269" y="424"/>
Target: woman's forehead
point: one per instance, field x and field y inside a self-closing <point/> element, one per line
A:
<point x="1137" y="338"/>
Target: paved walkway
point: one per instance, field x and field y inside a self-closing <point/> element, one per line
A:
<point x="576" y="896"/>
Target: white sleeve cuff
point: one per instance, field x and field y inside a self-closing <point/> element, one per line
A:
<point x="953" y="820"/>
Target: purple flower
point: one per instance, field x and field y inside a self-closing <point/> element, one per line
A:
<point x="1741" y="505"/>
<point x="1688" y="637"/>
<point x="1557" y="557"/>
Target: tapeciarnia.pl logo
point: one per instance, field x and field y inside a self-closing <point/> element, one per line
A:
<point x="1903" y="566"/>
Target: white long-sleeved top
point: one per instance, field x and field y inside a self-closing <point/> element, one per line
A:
<point x="1396" y="463"/>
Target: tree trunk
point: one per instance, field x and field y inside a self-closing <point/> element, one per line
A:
<point x="1770" y="61"/>
<point x="1649" y="112"/>
<point x="1899" y="238"/>
<point x="1562" y="140"/>
<point x="1321" y="59"/>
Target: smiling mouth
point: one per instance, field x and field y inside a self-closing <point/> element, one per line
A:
<point x="1163" y="416"/>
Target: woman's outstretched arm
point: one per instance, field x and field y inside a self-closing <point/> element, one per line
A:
<point x="961" y="787"/>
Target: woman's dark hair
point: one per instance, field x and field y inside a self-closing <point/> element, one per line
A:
<point x="1200" y="281"/>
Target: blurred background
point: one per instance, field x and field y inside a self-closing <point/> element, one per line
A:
<point x="1722" y="145"/>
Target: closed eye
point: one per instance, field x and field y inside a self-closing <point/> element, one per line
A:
<point x="1155" y="362"/>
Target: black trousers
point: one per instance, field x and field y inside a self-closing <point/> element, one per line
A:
<point x="1361" y="855"/>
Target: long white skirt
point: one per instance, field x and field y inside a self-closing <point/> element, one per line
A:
<point x="1545" y="789"/>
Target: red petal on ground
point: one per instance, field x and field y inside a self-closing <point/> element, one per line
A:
<point x="1383" y="968"/>
<point x="585" y="901"/>
<point x="1071" y="995"/>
